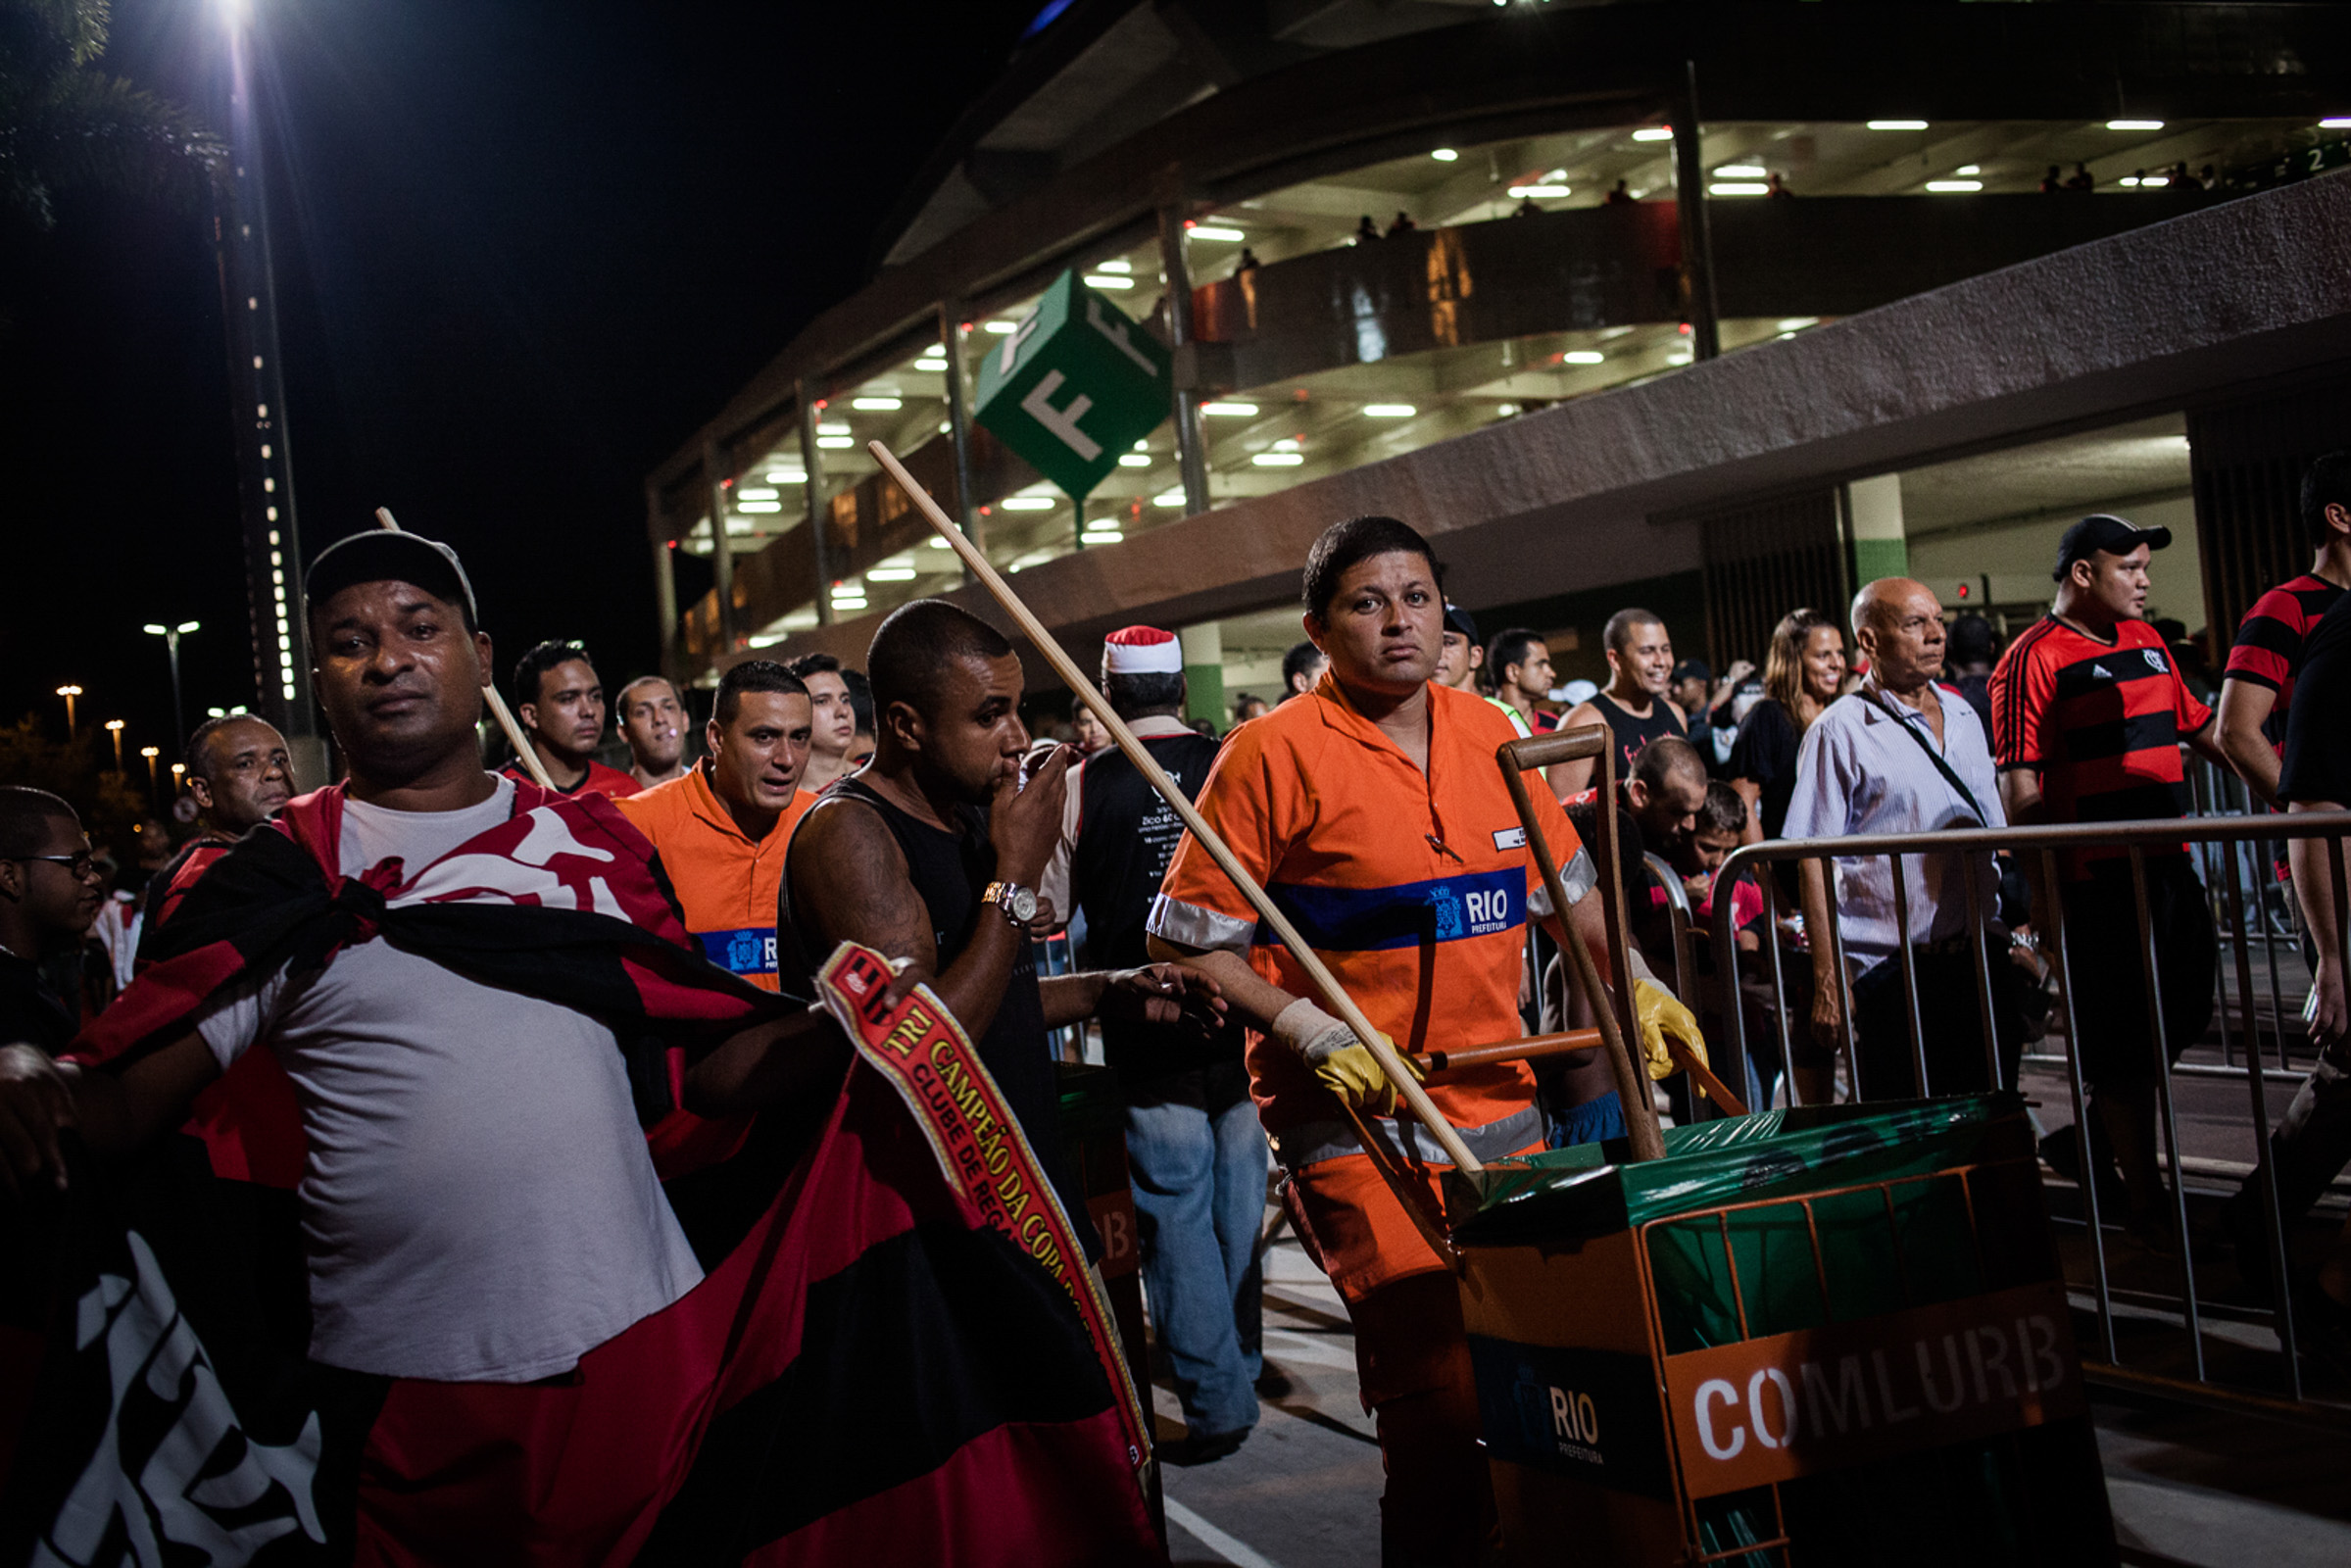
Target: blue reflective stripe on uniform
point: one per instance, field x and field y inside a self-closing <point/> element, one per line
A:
<point x="1451" y="909"/>
<point x="750" y="950"/>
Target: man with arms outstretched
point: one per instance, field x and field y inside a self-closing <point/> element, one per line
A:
<point x="478" y="1203"/>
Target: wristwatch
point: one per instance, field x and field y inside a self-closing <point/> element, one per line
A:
<point x="1019" y="903"/>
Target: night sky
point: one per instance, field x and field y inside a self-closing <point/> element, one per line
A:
<point x="524" y="251"/>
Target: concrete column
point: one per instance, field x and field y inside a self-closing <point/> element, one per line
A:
<point x="664" y="582"/>
<point x="1192" y="450"/>
<point x="967" y="512"/>
<point x="1203" y="673"/>
<point x="1873" y="526"/>
<point x="1697" y="231"/>
<point x="722" y="551"/>
<point x="811" y="486"/>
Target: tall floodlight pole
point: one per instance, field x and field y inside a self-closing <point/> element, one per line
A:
<point x="69" y="693"/>
<point x="258" y="409"/>
<point x="114" y="728"/>
<point x="170" y="636"/>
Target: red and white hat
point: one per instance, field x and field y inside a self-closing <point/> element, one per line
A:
<point x="1141" y="650"/>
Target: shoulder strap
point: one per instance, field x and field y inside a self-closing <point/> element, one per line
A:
<point x="1950" y="775"/>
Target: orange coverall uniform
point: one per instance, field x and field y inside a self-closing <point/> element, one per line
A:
<point x="727" y="886"/>
<point x="1415" y="889"/>
<point x="727" y="883"/>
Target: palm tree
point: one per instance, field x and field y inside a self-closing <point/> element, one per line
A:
<point x="64" y="123"/>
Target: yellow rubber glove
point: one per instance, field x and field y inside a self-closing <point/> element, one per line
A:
<point x="1354" y="1074"/>
<point x="1345" y="1065"/>
<point x="1662" y="1016"/>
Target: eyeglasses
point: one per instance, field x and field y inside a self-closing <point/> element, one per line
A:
<point x="79" y="865"/>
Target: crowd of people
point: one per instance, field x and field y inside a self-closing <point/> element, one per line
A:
<point x="908" y="807"/>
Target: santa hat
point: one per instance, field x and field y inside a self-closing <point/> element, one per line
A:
<point x="1141" y="650"/>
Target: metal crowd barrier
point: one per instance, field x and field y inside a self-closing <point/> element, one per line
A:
<point x="2221" y="844"/>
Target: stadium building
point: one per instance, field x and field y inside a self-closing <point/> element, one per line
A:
<point x="1714" y="308"/>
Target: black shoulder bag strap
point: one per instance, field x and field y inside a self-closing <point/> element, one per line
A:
<point x="1951" y="777"/>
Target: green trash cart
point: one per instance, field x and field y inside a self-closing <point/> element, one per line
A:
<point x="1828" y="1335"/>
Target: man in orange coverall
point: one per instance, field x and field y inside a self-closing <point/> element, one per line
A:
<point x="1373" y="812"/>
<point x="721" y="829"/>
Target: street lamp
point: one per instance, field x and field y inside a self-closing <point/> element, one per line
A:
<point x="115" y="727"/>
<point x="69" y="693"/>
<point x="170" y="636"/>
<point x="180" y="775"/>
<point x="150" y="753"/>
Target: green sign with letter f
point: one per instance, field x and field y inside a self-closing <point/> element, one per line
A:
<point x="1076" y="384"/>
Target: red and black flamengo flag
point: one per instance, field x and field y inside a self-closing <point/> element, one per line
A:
<point x="878" y="1370"/>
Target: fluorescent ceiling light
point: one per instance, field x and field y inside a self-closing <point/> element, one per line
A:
<point x="1965" y="169"/>
<point x="1584" y="357"/>
<point x="1278" y="459"/>
<point x="1798" y="323"/>
<point x="1742" y="172"/>
<point x="1215" y="231"/>
<point x="1897" y="125"/>
<point x="1000" y="328"/>
<point x="1654" y="133"/>
<point x="940" y="544"/>
<point x="759" y="506"/>
<point x="1115" y="266"/>
<point x="876" y="405"/>
<point x="1443" y="154"/>
<point x="2135" y="124"/>
<point x="1104" y="280"/>
<point x="833" y="427"/>
<point x="1229" y="411"/>
<point x="2338" y="122"/>
<point x="1389" y="411"/>
<point x="1287" y="444"/>
<point x="1738" y="187"/>
<point x="836" y="443"/>
<point x="1027" y="503"/>
<point x="1134" y="460"/>
<point x="1948" y="187"/>
<point x="1522" y="192"/>
<point x="754" y="493"/>
<point x="930" y="365"/>
<point x="785" y="476"/>
<point x="890" y="574"/>
<point x="1168" y="498"/>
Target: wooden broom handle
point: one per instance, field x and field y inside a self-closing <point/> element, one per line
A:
<point x="1318" y="974"/>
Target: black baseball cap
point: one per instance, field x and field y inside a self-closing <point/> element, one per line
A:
<point x="1461" y="622"/>
<point x="382" y="554"/>
<point x="1692" y="670"/>
<point x="2100" y="531"/>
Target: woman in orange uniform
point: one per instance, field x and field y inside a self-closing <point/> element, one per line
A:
<point x="1374" y="814"/>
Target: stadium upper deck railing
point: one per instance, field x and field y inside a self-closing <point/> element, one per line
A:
<point x="2219" y="845"/>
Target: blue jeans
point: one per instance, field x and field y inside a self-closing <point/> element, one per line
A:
<point x="1199" y="1162"/>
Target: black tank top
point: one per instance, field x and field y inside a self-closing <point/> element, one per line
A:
<point x="1632" y="734"/>
<point x="951" y="870"/>
<point x="1126" y="836"/>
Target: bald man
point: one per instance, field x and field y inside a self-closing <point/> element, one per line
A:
<point x="1904" y="755"/>
<point x="239" y="774"/>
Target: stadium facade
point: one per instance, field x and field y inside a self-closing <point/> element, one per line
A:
<point x="1716" y="307"/>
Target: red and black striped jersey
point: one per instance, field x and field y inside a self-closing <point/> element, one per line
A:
<point x="2268" y="646"/>
<point x="2100" y="722"/>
